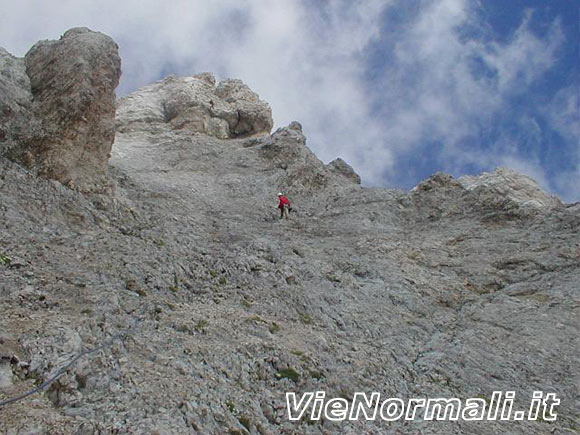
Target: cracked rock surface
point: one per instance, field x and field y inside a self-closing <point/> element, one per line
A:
<point x="208" y="308"/>
<point x="57" y="111"/>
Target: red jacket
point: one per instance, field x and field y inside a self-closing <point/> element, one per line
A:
<point x="283" y="201"/>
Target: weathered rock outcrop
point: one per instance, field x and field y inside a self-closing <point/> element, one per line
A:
<point x="17" y="124"/>
<point x="58" y="112"/>
<point x="196" y="104"/>
<point x="186" y="306"/>
<point x="339" y="166"/>
<point x="511" y="185"/>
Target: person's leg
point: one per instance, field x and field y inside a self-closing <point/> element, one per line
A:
<point x="286" y="211"/>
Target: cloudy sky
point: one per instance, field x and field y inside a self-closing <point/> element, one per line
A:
<point x="398" y="88"/>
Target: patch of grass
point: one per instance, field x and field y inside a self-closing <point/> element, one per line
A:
<point x="332" y="277"/>
<point x="36" y="378"/>
<point x="245" y="421"/>
<point x="213" y="273"/>
<point x="175" y="286"/>
<point x="305" y="318"/>
<point x="297" y="352"/>
<point x="223" y="280"/>
<point x="201" y="325"/>
<point x="288" y="373"/>
<point x="256" y="318"/>
<point x="87" y="311"/>
<point x="484" y="397"/>
<point x="231" y="407"/>
<point x="315" y="374"/>
<point x="246" y="304"/>
<point x="274" y="327"/>
<point x="5" y="260"/>
<point x="141" y="292"/>
<point x="171" y="306"/>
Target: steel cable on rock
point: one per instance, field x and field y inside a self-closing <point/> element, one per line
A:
<point x="63" y="369"/>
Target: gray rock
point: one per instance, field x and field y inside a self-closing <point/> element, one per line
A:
<point x="5" y="374"/>
<point x="196" y="105"/>
<point x="60" y="111"/>
<point x="15" y="104"/>
<point x="253" y="115"/>
<point x="341" y="167"/>
<point x="205" y="309"/>
<point x="513" y="186"/>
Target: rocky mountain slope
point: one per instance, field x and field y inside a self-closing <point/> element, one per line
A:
<point x="200" y="309"/>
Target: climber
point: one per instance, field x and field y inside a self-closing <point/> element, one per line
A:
<point x="283" y="205"/>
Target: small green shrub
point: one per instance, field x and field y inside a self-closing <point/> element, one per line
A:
<point x="231" y="407"/>
<point x="201" y="325"/>
<point x="315" y="374"/>
<point x="288" y="373"/>
<point x="256" y="318"/>
<point x="5" y="260"/>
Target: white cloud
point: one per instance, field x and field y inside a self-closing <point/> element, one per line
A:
<point x="303" y="58"/>
<point x="309" y="60"/>
<point x="451" y="83"/>
<point x="563" y="112"/>
<point x="525" y="58"/>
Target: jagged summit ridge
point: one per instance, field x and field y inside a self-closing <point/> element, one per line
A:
<point x="503" y="185"/>
<point x="197" y="105"/>
<point x="58" y="117"/>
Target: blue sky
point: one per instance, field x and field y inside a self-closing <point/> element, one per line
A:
<point x="398" y="88"/>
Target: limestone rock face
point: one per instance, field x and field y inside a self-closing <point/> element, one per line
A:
<point x="61" y="107"/>
<point x="197" y="105"/>
<point x="200" y="308"/>
<point x="253" y="115"/>
<point x="73" y="83"/>
<point x="341" y="167"/>
<point x="15" y="103"/>
<point x="511" y="185"/>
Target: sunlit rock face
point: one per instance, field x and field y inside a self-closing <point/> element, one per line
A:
<point x="196" y="104"/>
